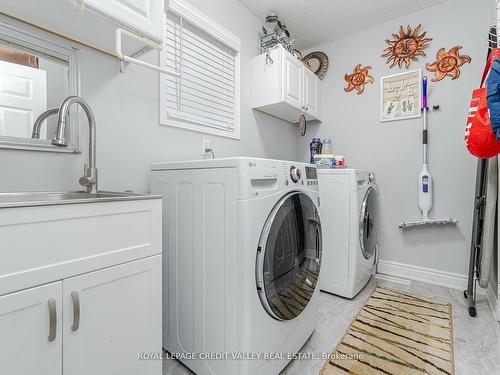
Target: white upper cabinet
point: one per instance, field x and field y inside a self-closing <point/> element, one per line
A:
<point x="93" y="22"/>
<point x="144" y="16"/>
<point x="284" y="87"/>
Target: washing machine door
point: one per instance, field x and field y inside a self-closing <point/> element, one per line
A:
<point x="289" y="256"/>
<point x="368" y="225"/>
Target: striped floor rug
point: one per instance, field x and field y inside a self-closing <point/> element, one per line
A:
<point x="396" y="333"/>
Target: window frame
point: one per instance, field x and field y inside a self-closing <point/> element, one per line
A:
<point x="187" y="12"/>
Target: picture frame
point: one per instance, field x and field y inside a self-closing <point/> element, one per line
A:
<point x="401" y="96"/>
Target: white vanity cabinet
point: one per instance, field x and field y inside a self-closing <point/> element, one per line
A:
<point x="93" y="22"/>
<point x="81" y="288"/>
<point x="284" y="87"/>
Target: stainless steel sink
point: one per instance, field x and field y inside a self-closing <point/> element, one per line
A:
<point x="26" y="199"/>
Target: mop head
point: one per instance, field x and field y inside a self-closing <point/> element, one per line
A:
<point x="418" y="223"/>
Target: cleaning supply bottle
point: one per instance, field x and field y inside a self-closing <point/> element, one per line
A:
<point x="315" y="148"/>
<point x="327" y="146"/>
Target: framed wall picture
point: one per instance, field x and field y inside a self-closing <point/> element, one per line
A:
<point x="401" y="96"/>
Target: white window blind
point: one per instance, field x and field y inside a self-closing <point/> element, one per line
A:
<point x="205" y="95"/>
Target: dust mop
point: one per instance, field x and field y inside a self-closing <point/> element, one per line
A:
<point x="425" y="178"/>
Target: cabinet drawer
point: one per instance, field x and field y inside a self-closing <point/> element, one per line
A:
<point x="48" y="243"/>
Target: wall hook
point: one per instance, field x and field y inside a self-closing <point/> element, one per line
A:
<point x="269" y="60"/>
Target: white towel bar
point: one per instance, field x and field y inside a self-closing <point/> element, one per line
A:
<point x="147" y="42"/>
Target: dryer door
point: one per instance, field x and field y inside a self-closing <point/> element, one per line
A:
<point x="289" y="256"/>
<point x="368" y="225"/>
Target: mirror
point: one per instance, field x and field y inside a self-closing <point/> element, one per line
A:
<point x="35" y="76"/>
<point x="29" y="85"/>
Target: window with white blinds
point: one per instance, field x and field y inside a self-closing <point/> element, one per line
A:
<point x="206" y="95"/>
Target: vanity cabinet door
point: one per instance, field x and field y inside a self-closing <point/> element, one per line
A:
<point x="292" y="80"/>
<point x="110" y="317"/>
<point x="30" y="331"/>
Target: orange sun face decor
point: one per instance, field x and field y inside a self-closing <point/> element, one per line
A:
<point x="406" y="46"/>
<point x="447" y="64"/>
<point x="358" y="79"/>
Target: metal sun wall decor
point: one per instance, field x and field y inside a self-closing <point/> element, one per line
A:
<point x="406" y="46"/>
<point x="447" y="64"/>
<point x="358" y="79"/>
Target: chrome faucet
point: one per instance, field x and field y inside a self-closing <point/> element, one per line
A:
<point x="39" y="121"/>
<point x="89" y="179"/>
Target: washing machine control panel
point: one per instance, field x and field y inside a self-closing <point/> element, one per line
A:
<point x="264" y="177"/>
<point x="295" y="173"/>
<point x="304" y="175"/>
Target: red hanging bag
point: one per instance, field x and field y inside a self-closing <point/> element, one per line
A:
<point x="479" y="138"/>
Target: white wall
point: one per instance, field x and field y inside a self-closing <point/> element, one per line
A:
<point x="129" y="137"/>
<point x="393" y="150"/>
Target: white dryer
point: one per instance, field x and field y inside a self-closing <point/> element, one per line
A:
<point x="242" y="254"/>
<point x="349" y="216"/>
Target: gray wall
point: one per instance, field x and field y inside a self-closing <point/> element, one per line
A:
<point x="128" y="132"/>
<point x="393" y="149"/>
<point x="130" y="137"/>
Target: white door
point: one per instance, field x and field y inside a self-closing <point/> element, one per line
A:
<point x="311" y="94"/>
<point x="23" y="97"/>
<point x="141" y="15"/>
<point x="292" y="80"/>
<point x="30" y="331"/>
<point x="110" y="317"/>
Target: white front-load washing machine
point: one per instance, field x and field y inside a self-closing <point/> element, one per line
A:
<point x="242" y="255"/>
<point x="349" y="217"/>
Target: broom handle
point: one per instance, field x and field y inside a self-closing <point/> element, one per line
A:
<point x="424" y="114"/>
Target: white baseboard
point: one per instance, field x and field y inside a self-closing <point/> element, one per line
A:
<point x="492" y="300"/>
<point x="393" y="279"/>
<point x="422" y="274"/>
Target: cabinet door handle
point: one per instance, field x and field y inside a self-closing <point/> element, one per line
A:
<point x="76" y="310"/>
<point x="52" y="319"/>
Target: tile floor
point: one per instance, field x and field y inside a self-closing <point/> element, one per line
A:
<point x="476" y="340"/>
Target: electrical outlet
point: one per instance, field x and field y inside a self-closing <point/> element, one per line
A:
<point x="205" y="143"/>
